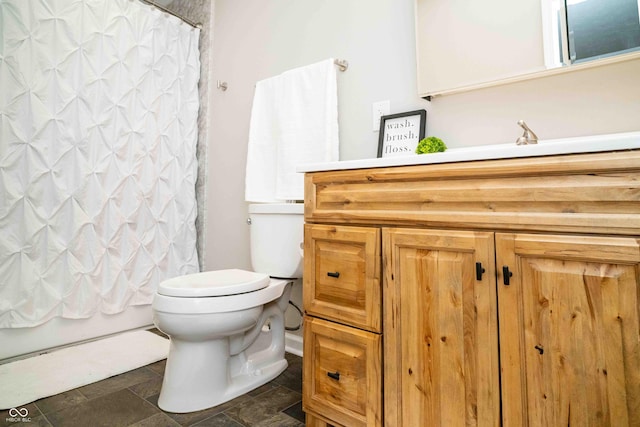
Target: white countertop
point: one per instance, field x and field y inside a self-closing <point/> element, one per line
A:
<point x="588" y="144"/>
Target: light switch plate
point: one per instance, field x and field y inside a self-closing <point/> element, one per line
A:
<point x="379" y="109"/>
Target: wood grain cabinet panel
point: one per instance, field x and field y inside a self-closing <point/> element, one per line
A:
<point x="342" y="373"/>
<point x="569" y="330"/>
<point x="440" y="328"/>
<point x="342" y="275"/>
<point x="315" y="421"/>
<point x="584" y="193"/>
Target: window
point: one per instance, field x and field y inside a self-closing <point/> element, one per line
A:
<point x="583" y="30"/>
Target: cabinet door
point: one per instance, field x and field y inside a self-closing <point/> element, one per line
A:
<point x="342" y="275"/>
<point x="440" y="329"/>
<point x="569" y="330"/>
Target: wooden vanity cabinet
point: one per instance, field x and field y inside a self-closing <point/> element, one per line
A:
<point x="510" y="288"/>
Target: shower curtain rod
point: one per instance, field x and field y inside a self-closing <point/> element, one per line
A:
<point x="170" y="12"/>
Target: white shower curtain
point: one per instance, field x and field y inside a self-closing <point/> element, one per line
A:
<point x="98" y="132"/>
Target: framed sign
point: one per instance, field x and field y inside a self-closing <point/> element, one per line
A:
<point x="400" y="133"/>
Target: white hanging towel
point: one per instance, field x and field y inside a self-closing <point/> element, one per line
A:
<point x="308" y="124"/>
<point x="294" y="120"/>
<point x="260" y="183"/>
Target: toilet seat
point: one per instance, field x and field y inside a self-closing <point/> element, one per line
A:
<point x="216" y="283"/>
<point x="191" y="306"/>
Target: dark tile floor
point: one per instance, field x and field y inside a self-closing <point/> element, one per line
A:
<point x="130" y="400"/>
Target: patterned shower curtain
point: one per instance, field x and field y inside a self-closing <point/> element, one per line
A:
<point x="98" y="109"/>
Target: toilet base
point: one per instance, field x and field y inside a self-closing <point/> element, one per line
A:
<point x="244" y="383"/>
<point x="212" y="369"/>
<point x="239" y="385"/>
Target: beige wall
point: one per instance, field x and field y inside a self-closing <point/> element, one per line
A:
<point x="256" y="39"/>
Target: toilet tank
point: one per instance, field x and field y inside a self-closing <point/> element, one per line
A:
<point x="276" y="237"/>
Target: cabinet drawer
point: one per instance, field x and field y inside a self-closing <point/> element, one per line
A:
<point x="342" y="373"/>
<point x="342" y="275"/>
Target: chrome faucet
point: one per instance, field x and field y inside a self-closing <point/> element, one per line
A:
<point x="528" y="137"/>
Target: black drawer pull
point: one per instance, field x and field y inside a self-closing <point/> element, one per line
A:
<point x="333" y="274"/>
<point x="506" y="275"/>
<point x="479" y="271"/>
<point x="334" y="375"/>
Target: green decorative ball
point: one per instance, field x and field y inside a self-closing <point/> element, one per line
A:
<point x="431" y="144"/>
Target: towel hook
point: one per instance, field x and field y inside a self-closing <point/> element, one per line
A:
<point x="222" y="85"/>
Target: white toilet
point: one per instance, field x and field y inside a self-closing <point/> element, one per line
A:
<point x="227" y="326"/>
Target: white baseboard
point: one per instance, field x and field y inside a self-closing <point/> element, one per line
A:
<point x="293" y="344"/>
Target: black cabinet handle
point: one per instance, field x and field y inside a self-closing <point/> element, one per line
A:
<point x="333" y="274"/>
<point x="506" y="275"/>
<point x="479" y="271"/>
<point x="334" y="375"/>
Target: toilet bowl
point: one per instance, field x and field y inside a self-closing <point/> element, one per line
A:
<point x="226" y="327"/>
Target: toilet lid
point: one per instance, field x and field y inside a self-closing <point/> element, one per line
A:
<point x="214" y="283"/>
